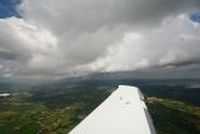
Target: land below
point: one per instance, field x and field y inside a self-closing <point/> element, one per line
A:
<point x="57" y="107"/>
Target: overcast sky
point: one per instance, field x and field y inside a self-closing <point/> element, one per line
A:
<point x="63" y="38"/>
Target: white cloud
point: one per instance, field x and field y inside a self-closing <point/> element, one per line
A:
<point x="65" y="38"/>
<point x="175" y="42"/>
<point x="26" y="42"/>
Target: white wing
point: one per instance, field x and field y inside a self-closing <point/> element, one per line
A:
<point x="123" y="112"/>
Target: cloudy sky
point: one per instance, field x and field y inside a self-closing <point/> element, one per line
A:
<point x="63" y="38"/>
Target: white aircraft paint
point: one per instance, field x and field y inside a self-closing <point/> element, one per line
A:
<point x="123" y="112"/>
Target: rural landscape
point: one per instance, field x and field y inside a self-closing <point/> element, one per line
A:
<point x="56" y="108"/>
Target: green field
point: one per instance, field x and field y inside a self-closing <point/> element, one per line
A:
<point x="174" y="117"/>
<point x="57" y="108"/>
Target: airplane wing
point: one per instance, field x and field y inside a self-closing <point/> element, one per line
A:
<point x="123" y="112"/>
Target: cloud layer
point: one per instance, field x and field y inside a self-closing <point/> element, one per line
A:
<point x="174" y="43"/>
<point x="71" y="38"/>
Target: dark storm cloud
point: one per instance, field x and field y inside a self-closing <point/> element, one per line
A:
<point x="89" y="15"/>
<point x="7" y="56"/>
